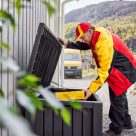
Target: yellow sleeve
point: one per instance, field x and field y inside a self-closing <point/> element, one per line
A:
<point x="105" y="54"/>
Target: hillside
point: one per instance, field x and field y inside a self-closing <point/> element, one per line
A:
<point x="123" y="23"/>
<point x="100" y="11"/>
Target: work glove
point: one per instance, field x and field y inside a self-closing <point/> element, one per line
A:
<point x="63" y="42"/>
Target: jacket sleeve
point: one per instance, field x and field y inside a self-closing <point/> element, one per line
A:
<point x="105" y="54"/>
<point x="78" y="45"/>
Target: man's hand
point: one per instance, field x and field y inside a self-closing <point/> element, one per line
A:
<point x="88" y="94"/>
<point x="63" y="42"/>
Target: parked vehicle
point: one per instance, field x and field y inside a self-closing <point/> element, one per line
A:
<point x="72" y="63"/>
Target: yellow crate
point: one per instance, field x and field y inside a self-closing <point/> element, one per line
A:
<point x="71" y="95"/>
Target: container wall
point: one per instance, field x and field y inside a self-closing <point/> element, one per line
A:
<point x="87" y="122"/>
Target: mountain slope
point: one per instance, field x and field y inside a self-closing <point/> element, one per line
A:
<point x="124" y="26"/>
<point x="97" y="12"/>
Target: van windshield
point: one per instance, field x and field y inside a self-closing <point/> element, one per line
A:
<point x="72" y="57"/>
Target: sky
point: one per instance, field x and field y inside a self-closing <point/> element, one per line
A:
<point x="82" y="3"/>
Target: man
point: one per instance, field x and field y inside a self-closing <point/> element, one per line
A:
<point x="116" y="66"/>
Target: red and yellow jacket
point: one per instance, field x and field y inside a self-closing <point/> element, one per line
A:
<point x="116" y="64"/>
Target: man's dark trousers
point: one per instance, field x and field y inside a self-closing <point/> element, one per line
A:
<point x="118" y="114"/>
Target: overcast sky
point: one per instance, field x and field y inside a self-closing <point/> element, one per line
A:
<point x="82" y="3"/>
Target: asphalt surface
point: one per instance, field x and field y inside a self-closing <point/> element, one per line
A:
<point x="104" y="97"/>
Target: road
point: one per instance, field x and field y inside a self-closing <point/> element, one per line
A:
<point x="104" y="97"/>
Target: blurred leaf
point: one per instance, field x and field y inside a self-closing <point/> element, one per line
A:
<point x="76" y="105"/>
<point x="0" y="27"/>
<point x="1" y="125"/>
<point x="4" y="45"/>
<point x="1" y="93"/>
<point x="65" y="114"/>
<point x="28" y="80"/>
<point x="32" y="78"/>
<point x="7" y="18"/>
<point x="26" y="102"/>
<point x="56" y="111"/>
<point x="50" y="8"/>
<point x="20" y="74"/>
<point x="10" y="63"/>
<point x="35" y="100"/>
<point x="14" y="123"/>
<point x="50" y="98"/>
<point x="14" y="110"/>
<point x="56" y="1"/>
<point x="18" y="5"/>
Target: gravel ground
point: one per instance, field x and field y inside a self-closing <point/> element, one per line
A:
<point x="104" y="96"/>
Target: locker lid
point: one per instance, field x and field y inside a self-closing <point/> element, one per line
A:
<point x="45" y="55"/>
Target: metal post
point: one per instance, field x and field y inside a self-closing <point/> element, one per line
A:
<point x="62" y="20"/>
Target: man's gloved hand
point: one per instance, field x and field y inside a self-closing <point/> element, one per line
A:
<point x="88" y="94"/>
<point x="63" y="42"/>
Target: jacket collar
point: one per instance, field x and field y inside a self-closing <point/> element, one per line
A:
<point x="95" y="37"/>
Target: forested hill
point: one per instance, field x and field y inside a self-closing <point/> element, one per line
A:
<point x="100" y="11"/>
<point x="118" y="16"/>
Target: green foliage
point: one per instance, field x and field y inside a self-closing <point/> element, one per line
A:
<point x="1" y="93"/>
<point x="35" y="100"/>
<point x="4" y="45"/>
<point x="76" y="105"/>
<point x="13" y="121"/>
<point x="7" y="18"/>
<point x="51" y="9"/>
<point x="18" y="5"/>
<point x="10" y="63"/>
<point x="65" y="114"/>
<point x="26" y="102"/>
<point x="70" y="30"/>
<point x="50" y="98"/>
<point x="28" y="80"/>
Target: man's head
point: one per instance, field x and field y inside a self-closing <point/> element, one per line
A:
<point x="84" y="32"/>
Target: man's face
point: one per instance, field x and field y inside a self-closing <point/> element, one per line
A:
<point x="87" y="37"/>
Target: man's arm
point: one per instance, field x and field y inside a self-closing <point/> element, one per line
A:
<point x="77" y="45"/>
<point x="105" y="54"/>
<point x="74" y="45"/>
